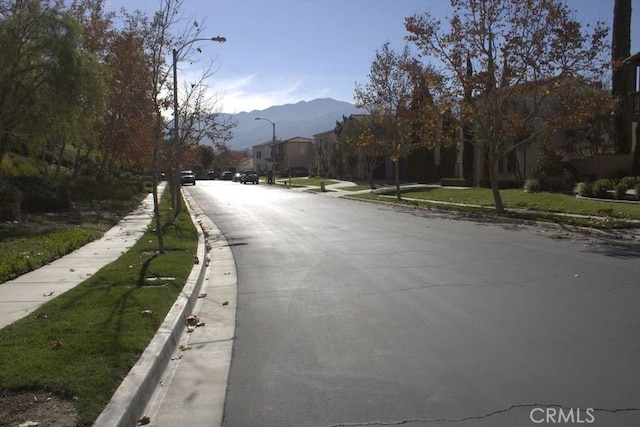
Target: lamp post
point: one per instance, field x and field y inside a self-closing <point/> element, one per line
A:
<point x="273" y="143"/>
<point x="176" y="139"/>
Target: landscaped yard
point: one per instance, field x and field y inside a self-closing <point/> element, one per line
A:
<point x="519" y="199"/>
<point x="78" y="347"/>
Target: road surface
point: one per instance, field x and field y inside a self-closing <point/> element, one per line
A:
<point x="358" y="314"/>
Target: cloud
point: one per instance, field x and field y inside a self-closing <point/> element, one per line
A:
<point x="258" y="92"/>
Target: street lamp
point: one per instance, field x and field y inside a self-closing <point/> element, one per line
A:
<point x="176" y="139"/>
<point x="273" y="143"/>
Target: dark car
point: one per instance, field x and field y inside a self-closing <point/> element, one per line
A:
<point x="226" y="176"/>
<point x="236" y="177"/>
<point x="213" y="174"/>
<point x="187" y="177"/>
<point x="249" y="176"/>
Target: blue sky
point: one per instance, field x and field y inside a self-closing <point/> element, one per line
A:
<point x="284" y="51"/>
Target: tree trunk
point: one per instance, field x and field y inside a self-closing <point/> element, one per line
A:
<point x="396" y="173"/>
<point x="493" y="179"/>
<point x="156" y="203"/>
<point x="621" y="49"/>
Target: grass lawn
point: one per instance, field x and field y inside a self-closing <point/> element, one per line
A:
<point x="610" y="214"/>
<point x="83" y="343"/>
<point x="519" y="199"/>
<point x="41" y="238"/>
<point x="306" y="182"/>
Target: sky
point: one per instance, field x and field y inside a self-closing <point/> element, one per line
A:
<point x="285" y="51"/>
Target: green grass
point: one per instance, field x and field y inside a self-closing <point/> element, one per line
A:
<point x="38" y="239"/>
<point x="21" y="255"/>
<point x="600" y="214"/>
<point x="99" y="324"/>
<point x="365" y="187"/>
<point x="519" y="199"/>
<point x="307" y="182"/>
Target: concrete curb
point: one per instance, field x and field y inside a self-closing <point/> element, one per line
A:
<point x="133" y="394"/>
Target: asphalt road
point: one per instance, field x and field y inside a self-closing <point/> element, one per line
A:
<point x="357" y="314"/>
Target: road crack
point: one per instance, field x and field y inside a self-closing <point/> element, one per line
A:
<point x="477" y="417"/>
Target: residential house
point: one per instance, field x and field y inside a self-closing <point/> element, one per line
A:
<point x="296" y="154"/>
<point x="334" y="160"/>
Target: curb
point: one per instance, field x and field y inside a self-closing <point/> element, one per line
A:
<point x="135" y="391"/>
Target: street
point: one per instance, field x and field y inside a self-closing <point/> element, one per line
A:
<point x="353" y="313"/>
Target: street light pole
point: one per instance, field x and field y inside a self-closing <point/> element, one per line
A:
<point x="273" y="143"/>
<point x="175" y="181"/>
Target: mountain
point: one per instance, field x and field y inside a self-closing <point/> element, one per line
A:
<point x="304" y="118"/>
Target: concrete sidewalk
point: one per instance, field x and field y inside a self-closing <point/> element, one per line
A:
<point x="168" y="384"/>
<point x="23" y="295"/>
<point x="181" y="378"/>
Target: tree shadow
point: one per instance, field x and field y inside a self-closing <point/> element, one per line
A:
<point x="621" y="250"/>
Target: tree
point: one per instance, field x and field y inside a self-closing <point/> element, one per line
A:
<point x="397" y="95"/>
<point x="521" y="51"/>
<point x="620" y="50"/>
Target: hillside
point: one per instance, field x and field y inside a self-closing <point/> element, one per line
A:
<point x="304" y="118"/>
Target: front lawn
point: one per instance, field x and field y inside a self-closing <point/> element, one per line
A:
<point x="519" y="199"/>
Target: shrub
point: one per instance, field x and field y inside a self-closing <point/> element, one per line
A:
<point x="638" y="191"/>
<point x="454" y="182"/>
<point x="620" y="190"/>
<point x="601" y="186"/>
<point x="40" y="194"/>
<point x="583" y="189"/>
<point x="532" y="185"/>
<point x="630" y="181"/>
<point x="10" y="196"/>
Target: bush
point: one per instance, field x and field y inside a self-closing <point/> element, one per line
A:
<point x="601" y="186"/>
<point x="40" y="194"/>
<point x="10" y="196"/>
<point x="583" y="189"/>
<point x="620" y="190"/>
<point x="454" y="182"/>
<point x="630" y="181"/>
<point x="638" y="191"/>
<point x="532" y="185"/>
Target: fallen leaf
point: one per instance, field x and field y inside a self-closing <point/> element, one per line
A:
<point x="146" y="313"/>
<point x="225" y="303"/>
<point x="202" y="295"/>
<point x="192" y="320"/>
<point x="144" y="421"/>
<point x="48" y="294"/>
<point x="57" y="344"/>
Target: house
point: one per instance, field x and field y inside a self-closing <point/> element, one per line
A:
<point x="295" y="154"/>
<point x="333" y="159"/>
<point x="584" y="146"/>
<point x="263" y="157"/>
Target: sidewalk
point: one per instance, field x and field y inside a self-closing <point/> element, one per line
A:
<point x="182" y="375"/>
<point x="198" y="377"/>
<point x="23" y="295"/>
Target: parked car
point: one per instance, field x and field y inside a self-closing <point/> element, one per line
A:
<point x="213" y="174"/>
<point x="249" y="176"/>
<point x="226" y="176"/>
<point x="187" y="177"/>
<point x="236" y="177"/>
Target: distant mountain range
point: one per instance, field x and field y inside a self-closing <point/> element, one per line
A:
<point x="305" y="118"/>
